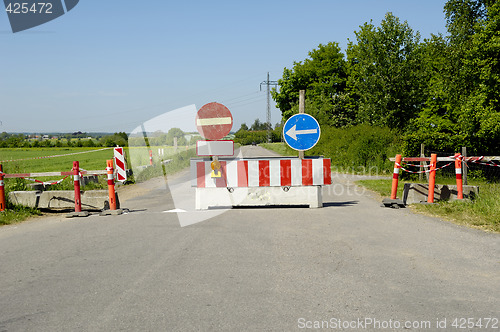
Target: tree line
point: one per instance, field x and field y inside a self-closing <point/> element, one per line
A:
<point x="65" y="140"/>
<point x="443" y="91"/>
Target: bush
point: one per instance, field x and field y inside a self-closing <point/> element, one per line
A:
<point x="359" y="148"/>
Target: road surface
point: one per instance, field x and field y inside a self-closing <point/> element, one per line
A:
<point x="350" y="264"/>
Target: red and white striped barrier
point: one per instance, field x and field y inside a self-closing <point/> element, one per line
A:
<point x="263" y="173"/>
<point x="121" y="174"/>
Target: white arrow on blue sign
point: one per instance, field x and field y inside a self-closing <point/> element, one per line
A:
<point x="301" y="132"/>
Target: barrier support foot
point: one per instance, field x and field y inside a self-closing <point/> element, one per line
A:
<point x="393" y="203"/>
<point x="116" y="212"/>
<point x="78" y="214"/>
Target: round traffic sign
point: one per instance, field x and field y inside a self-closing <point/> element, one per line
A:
<point x="301" y="132"/>
<point x="214" y="121"/>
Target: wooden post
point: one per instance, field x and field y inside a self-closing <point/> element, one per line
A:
<point x="422" y="163"/>
<point x="464" y="165"/>
<point x="302" y="107"/>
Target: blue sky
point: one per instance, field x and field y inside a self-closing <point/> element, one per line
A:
<point x="112" y="65"/>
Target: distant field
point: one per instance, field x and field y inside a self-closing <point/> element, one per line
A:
<point x="24" y="162"/>
<point x="89" y="158"/>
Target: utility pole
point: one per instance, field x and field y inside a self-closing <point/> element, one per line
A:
<point x="268" y="83"/>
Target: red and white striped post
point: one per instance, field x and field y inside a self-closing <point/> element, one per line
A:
<point x="395" y="177"/>
<point x="458" y="172"/>
<point x="432" y="178"/>
<point x="111" y="185"/>
<point x="2" y="190"/>
<point x="151" y="157"/>
<point x="76" y="175"/>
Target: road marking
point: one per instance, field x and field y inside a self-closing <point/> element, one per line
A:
<point x="174" y="211"/>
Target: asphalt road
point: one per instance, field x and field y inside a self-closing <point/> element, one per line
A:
<point x="255" y="269"/>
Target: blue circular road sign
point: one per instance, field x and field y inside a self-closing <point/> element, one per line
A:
<point x="301" y="132"/>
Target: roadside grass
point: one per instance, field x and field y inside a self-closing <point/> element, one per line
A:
<point x="483" y="212"/>
<point x="280" y="148"/>
<point x="178" y="162"/>
<point x="380" y="186"/>
<point x="16" y="214"/>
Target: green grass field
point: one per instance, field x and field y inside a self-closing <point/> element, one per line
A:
<point x="25" y="162"/>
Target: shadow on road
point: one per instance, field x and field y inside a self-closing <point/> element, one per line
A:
<point x="340" y="204"/>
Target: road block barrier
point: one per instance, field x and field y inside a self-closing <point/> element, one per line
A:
<point x="279" y="172"/>
<point x="260" y="182"/>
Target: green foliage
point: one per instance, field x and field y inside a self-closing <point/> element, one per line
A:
<point x="361" y="147"/>
<point x="443" y="92"/>
<point x="323" y="76"/>
<point x="257" y="133"/>
<point x="385" y="73"/>
<point x="245" y="137"/>
<point x="120" y="139"/>
<point x="257" y="125"/>
<point x="463" y="105"/>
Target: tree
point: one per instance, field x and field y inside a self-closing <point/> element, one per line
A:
<point x="176" y="132"/>
<point x="385" y="73"/>
<point x="463" y="74"/>
<point x="243" y="127"/>
<point x="257" y="125"/>
<point x="323" y="76"/>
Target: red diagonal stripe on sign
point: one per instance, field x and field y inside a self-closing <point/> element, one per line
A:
<point x="119" y="163"/>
